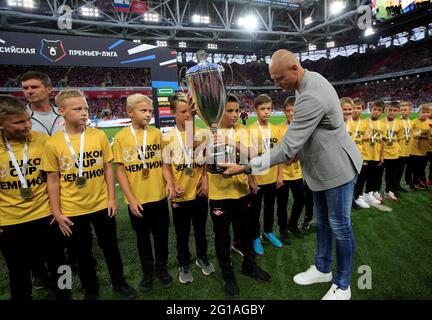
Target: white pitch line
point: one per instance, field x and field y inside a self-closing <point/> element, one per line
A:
<point x="168" y="62"/>
<point x="141" y="48"/>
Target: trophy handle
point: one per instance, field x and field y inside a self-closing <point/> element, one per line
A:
<point x="232" y="77"/>
<point x="180" y="82"/>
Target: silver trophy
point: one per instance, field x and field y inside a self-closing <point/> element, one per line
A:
<point x="206" y="87"/>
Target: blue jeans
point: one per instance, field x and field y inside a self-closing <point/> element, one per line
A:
<point x="333" y="212"/>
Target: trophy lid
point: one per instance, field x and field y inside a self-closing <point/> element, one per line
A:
<point x="203" y="65"/>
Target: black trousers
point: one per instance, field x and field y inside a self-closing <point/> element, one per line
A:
<point x="268" y="192"/>
<point x="22" y="244"/>
<point x="374" y="176"/>
<point x="361" y="181"/>
<point x="402" y="167"/>
<point x="82" y="247"/>
<point x="429" y="157"/>
<point x="297" y="189"/>
<point x="391" y="170"/>
<point x="155" y="221"/>
<point x="420" y="163"/>
<point x="309" y="203"/>
<point x="409" y="170"/>
<point x="185" y="213"/>
<point x="237" y="212"/>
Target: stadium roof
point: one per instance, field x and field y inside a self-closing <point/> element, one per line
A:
<point x="190" y="25"/>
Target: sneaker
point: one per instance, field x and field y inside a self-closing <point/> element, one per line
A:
<point x="271" y="237"/>
<point x="146" y="282"/>
<point x="311" y="276"/>
<point x="230" y="287"/>
<point x="256" y="272"/>
<point x="236" y="247"/>
<point x="206" y="266"/>
<point x="429" y="182"/>
<point x="418" y="186"/>
<point x="258" y="246"/>
<point x="377" y="196"/>
<point x="284" y="237"/>
<point x="306" y="225"/>
<point x="361" y="202"/>
<point x="125" y="290"/>
<point x="336" y="293"/>
<point x="370" y="199"/>
<point x="164" y="277"/>
<point x="294" y="229"/>
<point x="185" y="274"/>
<point x="423" y="183"/>
<point x="40" y="283"/>
<point x="390" y="195"/>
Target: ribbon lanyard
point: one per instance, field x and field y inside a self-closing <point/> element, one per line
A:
<point x="263" y="140"/>
<point x="22" y="172"/>
<point x="72" y="151"/>
<point x="348" y="125"/>
<point x="378" y="130"/>
<point x="187" y="153"/>
<point x="357" y="128"/>
<point x="407" y="130"/>
<point x="390" y="134"/>
<point x="142" y="154"/>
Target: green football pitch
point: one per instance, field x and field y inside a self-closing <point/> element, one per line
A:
<point x="395" y="246"/>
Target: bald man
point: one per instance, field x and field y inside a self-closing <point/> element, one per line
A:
<point x="330" y="162"/>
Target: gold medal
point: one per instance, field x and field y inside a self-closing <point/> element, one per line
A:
<point x="189" y="171"/>
<point x="372" y="143"/>
<point x="390" y="143"/>
<point x="80" y="182"/>
<point x="146" y="172"/>
<point x="26" y="193"/>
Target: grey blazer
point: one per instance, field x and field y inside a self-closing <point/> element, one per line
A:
<point x="317" y="134"/>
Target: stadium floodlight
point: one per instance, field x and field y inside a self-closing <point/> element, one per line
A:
<point x="28" y="4"/>
<point x="337" y="7"/>
<point x="137" y="40"/>
<point x="369" y="32"/>
<point x="308" y="21"/>
<point x="330" y="44"/>
<point x="212" y="46"/>
<point x="312" y="47"/>
<point x="182" y="44"/>
<point x="161" y="43"/>
<point x="249" y="22"/>
<point x="151" y="17"/>
<point x="90" y="11"/>
<point x="196" y="18"/>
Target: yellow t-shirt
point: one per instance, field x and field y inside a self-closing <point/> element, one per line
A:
<point x="177" y="160"/>
<point x="373" y="133"/>
<point x="392" y="148"/>
<point x="419" y="137"/>
<point x="256" y="140"/>
<point x="355" y="130"/>
<point x="292" y="171"/>
<point x="145" y="189"/>
<point x="57" y="157"/>
<point x="233" y="187"/>
<point x="14" y="209"/>
<point x="404" y="141"/>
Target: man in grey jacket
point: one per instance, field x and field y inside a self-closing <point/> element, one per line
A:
<point x="330" y="163"/>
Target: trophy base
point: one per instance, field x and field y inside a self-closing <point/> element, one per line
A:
<point x="213" y="168"/>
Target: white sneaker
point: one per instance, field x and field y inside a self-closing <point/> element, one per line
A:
<point x="370" y="199"/>
<point x="336" y="293"/>
<point x="377" y="196"/>
<point x="390" y="195"/>
<point x="360" y="201"/>
<point x="311" y="276"/>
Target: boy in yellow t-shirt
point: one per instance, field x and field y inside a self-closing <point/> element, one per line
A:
<point x="289" y="177"/>
<point x="419" y="145"/>
<point x="373" y="152"/>
<point x="82" y="193"/>
<point x="404" y="143"/>
<point x="146" y="183"/>
<point x="264" y="136"/>
<point x="191" y="204"/>
<point x="393" y="134"/>
<point x="25" y="231"/>
<point x="230" y="203"/>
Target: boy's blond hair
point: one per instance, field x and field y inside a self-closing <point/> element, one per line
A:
<point x="425" y="107"/>
<point x="66" y="94"/>
<point x="178" y="97"/>
<point x="406" y="104"/>
<point x="346" y="100"/>
<point x="136" y="98"/>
